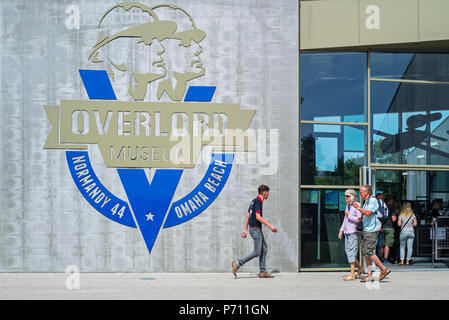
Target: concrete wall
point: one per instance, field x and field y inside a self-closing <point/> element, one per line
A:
<point x="251" y="55"/>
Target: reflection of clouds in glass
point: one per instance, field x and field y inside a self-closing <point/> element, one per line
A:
<point x="389" y="65"/>
<point x="334" y="86"/>
<point x="326" y="154"/>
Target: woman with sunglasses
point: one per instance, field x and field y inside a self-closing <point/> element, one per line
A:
<point x="352" y="236"/>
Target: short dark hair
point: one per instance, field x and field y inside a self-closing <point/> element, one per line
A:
<point x="263" y="188"/>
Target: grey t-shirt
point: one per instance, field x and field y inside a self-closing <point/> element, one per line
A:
<point x="407" y="226"/>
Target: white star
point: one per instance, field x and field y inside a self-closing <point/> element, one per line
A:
<point x="149" y="216"/>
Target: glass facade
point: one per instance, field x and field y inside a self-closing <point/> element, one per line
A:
<point x="409" y="123"/>
<point x="410" y="66"/>
<point x="333" y="87"/>
<point x="332" y="154"/>
<point x="389" y="111"/>
<point x="322" y="211"/>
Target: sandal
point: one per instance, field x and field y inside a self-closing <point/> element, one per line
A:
<point x="367" y="278"/>
<point x="359" y="275"/>
<point x="350" y="277"/>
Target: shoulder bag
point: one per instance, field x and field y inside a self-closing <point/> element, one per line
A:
<point x="359" y="225"/>
<point x="406" y="222"/>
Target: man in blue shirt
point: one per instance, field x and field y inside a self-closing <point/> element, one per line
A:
<point x="370" y="233"/>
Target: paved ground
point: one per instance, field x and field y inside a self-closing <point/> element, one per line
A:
<point x="423" y="284"/>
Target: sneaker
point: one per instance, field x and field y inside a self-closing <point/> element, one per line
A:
<point x="235" y="267"/>
<point x="265" y="275"/>
<point x="383" y="274"/>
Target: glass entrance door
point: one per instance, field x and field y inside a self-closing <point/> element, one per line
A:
<point x="426" y="190"/>
<point x="322" y="215"/>
<point x="428" y="194"/>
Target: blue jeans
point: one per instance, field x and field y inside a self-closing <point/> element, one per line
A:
<point x="260" y="250"/>
<point x="406" y="239"/>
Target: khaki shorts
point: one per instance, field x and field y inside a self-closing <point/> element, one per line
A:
<point x="368" y="242"/>
<point x="388" y="237"/>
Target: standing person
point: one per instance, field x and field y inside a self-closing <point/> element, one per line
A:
<point x="255" y="220"/>
<point x="388" y="229"/>
<point x="369" y="236"/>
<point x="397" y="231"/>
<point x="436" y="207"/>
<point x="381" y="216"/>
<point x="407" y="220"/>
<point x="352" y="236"/>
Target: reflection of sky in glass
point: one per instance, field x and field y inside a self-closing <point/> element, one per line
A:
<point x="388" y="122"/>
<point x="325" y="127"/>
<point x="354" y="118"/>
<point x="327" y="147"/>
<point x="385" y="122"/>
<point x="354" y="139"/>
<point x="419" y="66"/>
<point x="382" y="94"/>
<point x="331" y="199"/>
<point x="358" y="157"/>
<point x="389" y="65"/>
<point x="436" y="123"/>
<point x="326" y="154"/>
<point x="332" y="84"/>
<point x="333" y="88"/>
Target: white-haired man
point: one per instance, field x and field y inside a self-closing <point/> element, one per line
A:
<point x="369" y="236"/>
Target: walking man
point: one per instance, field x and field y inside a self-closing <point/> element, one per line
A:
<point x="254" y="220"/>
<point x="369" y="236"/>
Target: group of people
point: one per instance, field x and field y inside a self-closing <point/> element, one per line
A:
<point x="398" y="235"/>
<point x="377" y="227"/>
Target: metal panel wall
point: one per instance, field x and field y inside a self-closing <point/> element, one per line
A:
<point x="251" y="55"/>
